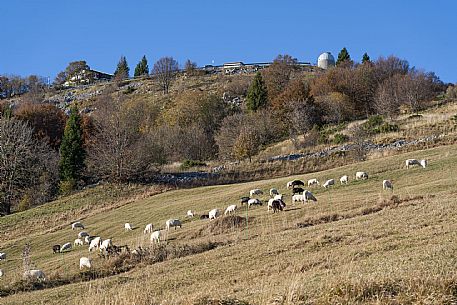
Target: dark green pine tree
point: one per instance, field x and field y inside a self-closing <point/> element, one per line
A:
<point x="257" y="94"/>
<point x="142" y="67"/>
<point x="365" y="58"/>
<point x="122" y="70"/>
<point x="72" y="152"/>
<point x="343" y="56"/>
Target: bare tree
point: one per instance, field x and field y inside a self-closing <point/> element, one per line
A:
<point x="123" y="148"/>
<point x="22" y="161"/>
<point x="164" y="70"/>
<point x="388" y="96"/>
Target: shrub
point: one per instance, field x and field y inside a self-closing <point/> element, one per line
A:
<point x="186" y="164"/>
<point x="376" y="124"/>
<point x="67" y="186"/>
<point x="340" y="138"/>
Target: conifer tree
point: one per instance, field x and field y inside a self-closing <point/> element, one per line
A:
<point x="257" y="94"/>
<point x="72" y="152"/>
<point x="122" y="70"/>
<point x="142" y="67"/>
<point x="365" y="58"/>
<point x="343" y="56"/>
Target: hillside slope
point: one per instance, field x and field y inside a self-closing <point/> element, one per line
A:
<point x="356" y="245"/>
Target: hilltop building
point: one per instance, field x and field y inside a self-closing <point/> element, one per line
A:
<point x="326" y="60"/>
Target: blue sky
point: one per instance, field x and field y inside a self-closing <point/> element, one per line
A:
<point x="43" y="36"/>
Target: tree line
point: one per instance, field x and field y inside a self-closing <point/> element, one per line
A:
<point x="44" y="152"/>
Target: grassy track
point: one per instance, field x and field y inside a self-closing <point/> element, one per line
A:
<point x="403" y="252"/>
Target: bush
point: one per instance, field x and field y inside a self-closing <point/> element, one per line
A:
<point x="340" y="138"/>
<point x="376" y="124"/>
<point x="186" y="164"/>
<point x="67" y="186"/>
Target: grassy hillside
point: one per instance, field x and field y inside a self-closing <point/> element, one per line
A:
<point x="356" y="245"/>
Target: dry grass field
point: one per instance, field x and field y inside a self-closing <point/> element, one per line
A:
<point x="357" y="245"/>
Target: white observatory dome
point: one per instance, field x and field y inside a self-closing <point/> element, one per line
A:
<point x="326" y="60"/>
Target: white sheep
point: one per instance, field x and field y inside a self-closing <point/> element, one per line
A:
<point x="298" y="198"/>
<point x="270" y="201"/>
<point x="155" y="236"/>
<point x="361" y="175"/>
<point x="107" y="243"/>
<point x="148" y="228"/>
<point x="173" y="223"/>
<point x="254" y="201"/>
<point x="387" y="185"/>
<point x="190" y="214"/>
<point x="84" y="262"/>
<point x="313" y="181"/>
<point x="344" y="179"/>
<point x="77" y="225"/>
<point x="95" y="243"/>
<point x="82" y="234"/>
<point x="78" y="242"/>
<point x="309" y="196"/>
<point x="274" y="192"/>
<point x="214" y="213"/>
<point x="230" y="209"/>
<point x="1" y="272"/>
<point x="255" y="192"/>
<point x="2" y="255"/>
<point x="35" y="273"/>
<point x="65" y="247"/>
<point x="328" y="183"/>
<point x="128" y="226"/>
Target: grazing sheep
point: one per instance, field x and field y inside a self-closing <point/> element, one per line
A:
<point x="148" y="228"/>
<point x="106" y="244"/>
<point x="204" y="216"/>
<point x="88" y="239"/>
<point x="230" y="209"/>
<point x="387" y="185"/>
<point x="2" y="255"/>
<point x="214" y="213"/>
<point x="344" y="179"/>
<point x="254" y="201"/>
<point x="95" y="243"/>
<point x="84" y="262"/>
<point x="361" y="175"/>
<point x="128" y="227"/>
<point x="173" y="223"/>
<point x="289" y="184"/>
<point x="77" y="225"/>
<point x="309" y="196"/>
<point x="255" y="192"/>
<point x="297" y="190"/>
<point x="277" y="205"/>
<point x="313" y="181"/>
<point x="190" y="214"/>
<point x="1" y="273"/>
<point x="35" y="273"/>
<point x="297" y="183"/>
<point x="65" y="247"/>
<point x="274" y="192"/>
<point x="298" y="198"/>
<point x="270" y="203"/>
<point x="155" y="237"/>
<point x="244" y="200"/>
<point x="82" y="234"/>
<point x="328" y="183"/>
<point x="56" y="249"/>
<point x="78" y="242"/>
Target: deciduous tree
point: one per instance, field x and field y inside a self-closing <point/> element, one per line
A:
<point x="165" y="70"/>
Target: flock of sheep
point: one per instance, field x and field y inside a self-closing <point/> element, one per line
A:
<point x="275" y="204"/>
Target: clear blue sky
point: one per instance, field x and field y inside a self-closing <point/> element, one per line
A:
<point x="43" y="36"/>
